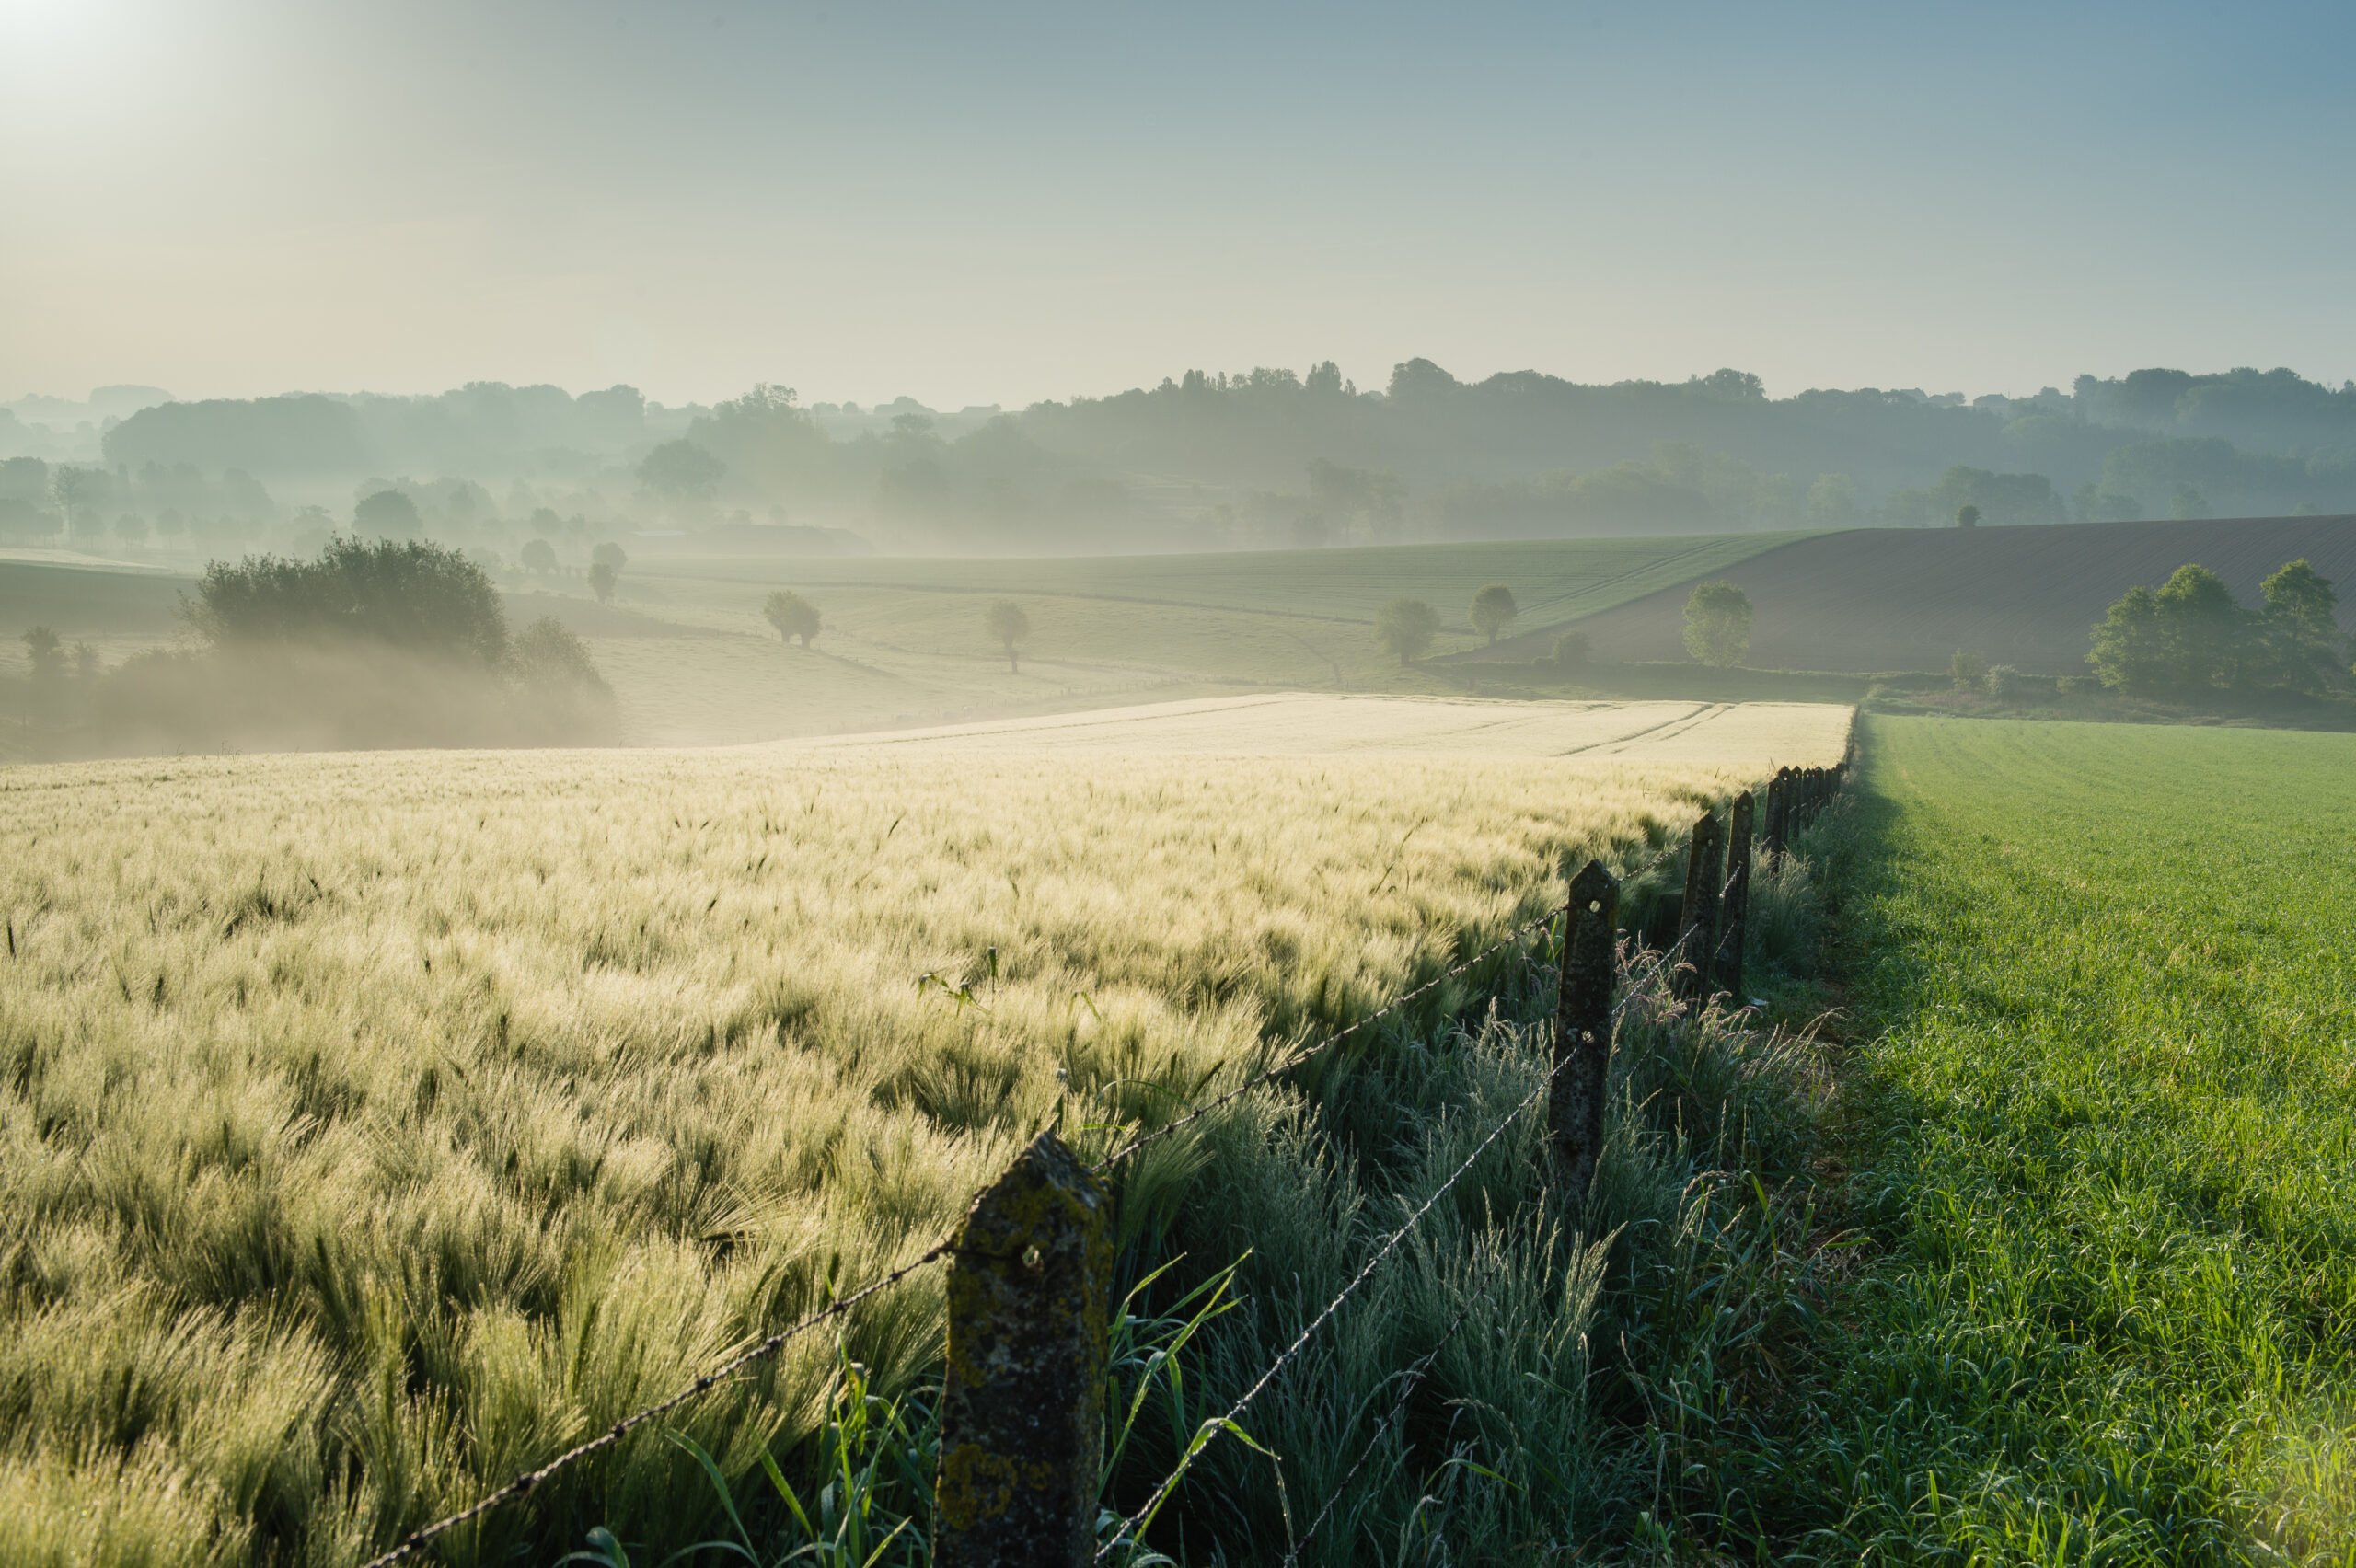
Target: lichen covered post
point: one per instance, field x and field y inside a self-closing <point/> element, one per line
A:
<point x="1697" y="926"/>
<point x="1736" y="902"/>
<point x="1022" y="1408"/>
<point x="1779" y="812"/>
<point x="1583" y="1024"/>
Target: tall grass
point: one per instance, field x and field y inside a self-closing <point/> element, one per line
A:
<point x="370" y="1129"/>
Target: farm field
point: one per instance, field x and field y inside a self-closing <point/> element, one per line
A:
<point x="1907" y="599"/>
<point x="2101" y="1148"/>
<point x="692" y="663"/>
<point x="372" y="1126"/>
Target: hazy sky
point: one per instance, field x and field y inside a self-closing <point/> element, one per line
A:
<point x="1003" y="204"/>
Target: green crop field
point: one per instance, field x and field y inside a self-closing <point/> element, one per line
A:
<point x="692" y="663"/>
<point x="2097" y="1299"/>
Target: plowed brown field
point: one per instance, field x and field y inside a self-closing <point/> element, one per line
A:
<point x="1907" y="599"/>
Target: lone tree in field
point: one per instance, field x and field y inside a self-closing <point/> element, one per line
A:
<point x="1717" y="624"/>
<point x="609" y="554"/>
<point x="1494" y="610"/>
<point x="792" y="614"/>
<point x="1008" y="627"/>
<point x="602" y="579"/>
<point x="1967" y="516"/>
<point x="539" y="555"/>
<point x="1406" y="626"/>
<point x="1572" y="651"/>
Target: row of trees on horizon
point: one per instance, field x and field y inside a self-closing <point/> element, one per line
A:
<point x="1268" y="458"/>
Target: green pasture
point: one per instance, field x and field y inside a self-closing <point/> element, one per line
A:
<point x="2093" y="1296"/>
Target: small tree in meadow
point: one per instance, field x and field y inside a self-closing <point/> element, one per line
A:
<point x="1405" y="627"/>
<point x="609" y="554"/>
<point x="1967" y="516"/>
<point x="539" y="555"/>
<point x="602" y="580"/>
<point x="1572" y="652"/>
<point x="1494" y="610"/>
<point x="1968" y="671"/>
<point x="1009" y="628"/>
<point x="793" y="615"/>
<point x="1717" y="624"/>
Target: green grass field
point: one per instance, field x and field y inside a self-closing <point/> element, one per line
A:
<point x="2097" y="1299"/>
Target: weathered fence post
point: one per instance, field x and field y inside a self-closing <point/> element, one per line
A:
<point x="1697" y="925"/>
<point x="1583" y="1023"/>
<point x="1779" y="802"/>
<point x="1022" y="1408"/>
<point x="1736" y="903"/>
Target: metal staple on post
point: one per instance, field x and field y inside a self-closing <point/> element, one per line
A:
<point x="1697" y="925"/>
<point x="1736" y="902"/>
<point x="1583" y="1023"/>
<point x="1022" y="1405"/>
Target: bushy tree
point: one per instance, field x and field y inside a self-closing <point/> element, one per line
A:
<point x="2129" y="651"/>
<point x="1717" y="624"/>
<point x="2004" y="682"/>
<point x="1494" y="610"/>
<point x="387" y="514"/>
<point x="793" y="615"/>
<point x="609" y="554"/>
<point x="45" y="655"/>
<point x="539" y="555"/>
<point x="681" y="471"/>
<point x="1572" y="652"/>
<point x="1968" y="671"/>
<point x="1967" y="516"/>
<point x="2301" y="628"/>
<point x="602" y="579"/>
<point x="2207" y="635"/>
<point x="1405" y="627"/>
<point x="404" y="593"/>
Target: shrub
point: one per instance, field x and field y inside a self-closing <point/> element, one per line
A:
<point x="2004" y="682"/>
<point x="1572" y="652"/>
<point x="1494" y="610"/>
<point x="1968" y="671"/>
<point x="793" y="615"/>
<point x="1405" y="627"/>
<point x="1717" y="624"/>
<point x="407" y="594"/>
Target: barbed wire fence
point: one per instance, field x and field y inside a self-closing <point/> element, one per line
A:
<point x="1057" y="1507"/>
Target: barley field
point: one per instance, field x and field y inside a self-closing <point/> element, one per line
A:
<point x="372" y="1126"/>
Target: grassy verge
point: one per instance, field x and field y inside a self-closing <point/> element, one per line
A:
<point x="2101" y="1267"/>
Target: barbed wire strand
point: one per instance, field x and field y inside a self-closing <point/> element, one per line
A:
<point x="1169" y="1482"/>
<point x="614" y="1433"/>
<point x="1311" y="1052"/>
<point x="416" y="1540"/>
<point x="1220" y="1424"/>
<point x="1414" y="1376"/>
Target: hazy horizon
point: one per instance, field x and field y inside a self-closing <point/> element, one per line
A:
<point x="911" y="201"/>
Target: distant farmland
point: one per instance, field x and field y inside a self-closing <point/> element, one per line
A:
<point x="1907" y="599"/>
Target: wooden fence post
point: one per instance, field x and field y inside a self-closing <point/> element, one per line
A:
<point x="1583" y="1024"/>
<point x="1697" y="926"/>
<point x="1022" y="1408"/>
<point x="1779" y="801"/>
<point x="1736" y="903"/>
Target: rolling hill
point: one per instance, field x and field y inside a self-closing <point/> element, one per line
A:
<point x="1906" y="599"/>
